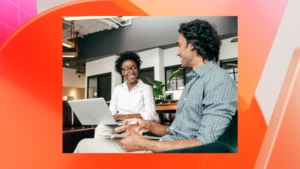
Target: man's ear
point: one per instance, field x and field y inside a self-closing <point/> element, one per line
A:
<point x="191" y="46"/>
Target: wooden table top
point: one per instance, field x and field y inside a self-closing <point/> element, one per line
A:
<point x="170" y="106"/>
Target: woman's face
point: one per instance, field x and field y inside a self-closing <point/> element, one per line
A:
<point x="130" y="71"/>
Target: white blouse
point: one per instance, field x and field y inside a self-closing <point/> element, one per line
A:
<point x="139" y="100"/>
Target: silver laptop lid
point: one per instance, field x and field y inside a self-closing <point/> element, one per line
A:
<point x="92" y="111"/>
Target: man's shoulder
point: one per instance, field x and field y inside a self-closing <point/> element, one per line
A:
<point x="218" y="76"/>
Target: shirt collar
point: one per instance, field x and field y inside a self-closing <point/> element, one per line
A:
<point x="201" y="70"/>
<point x="140" y="83"/>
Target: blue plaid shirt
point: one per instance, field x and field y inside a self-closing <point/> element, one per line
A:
<point x="206" y="105"/>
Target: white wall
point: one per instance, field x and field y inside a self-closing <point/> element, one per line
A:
<point x="70" y="79"/>
<point x="170" y="57"/>
<point x="154" y="58"/>
<point x="101" y="66"/>
<point x="228" y="50"/>
<point x="161" y="68"/>
<point x="157" y="58"/>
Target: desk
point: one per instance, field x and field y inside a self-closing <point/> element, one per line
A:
<point x="162" y="107"/>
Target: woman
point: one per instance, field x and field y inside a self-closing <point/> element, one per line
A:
<point x="133" y="98"/>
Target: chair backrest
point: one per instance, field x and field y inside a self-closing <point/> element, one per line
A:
<point x="229" y="137"/>
<point x="76" y="122"/>
<point x="67" y="115"/>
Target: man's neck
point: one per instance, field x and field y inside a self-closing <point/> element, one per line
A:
<point x="198" y="61"/>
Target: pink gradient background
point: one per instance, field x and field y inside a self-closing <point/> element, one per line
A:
<point x="13" y="13"/>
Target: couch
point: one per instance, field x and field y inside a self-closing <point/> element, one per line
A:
<point x="73" y="130"/>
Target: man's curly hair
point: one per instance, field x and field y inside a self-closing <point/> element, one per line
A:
<point x="127" y="55"/>
<point x="204" y="37"/>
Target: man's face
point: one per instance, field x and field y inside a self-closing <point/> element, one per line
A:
<point x="184" y="51"/>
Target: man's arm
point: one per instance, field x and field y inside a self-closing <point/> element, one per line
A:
<point x="219" y="106"/>
<point x="158" y="129"/>
<point x="157" y="146"/>
<point x="135" y="142"/>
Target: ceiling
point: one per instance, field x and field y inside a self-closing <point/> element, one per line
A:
<point x="89" y="26"/>
<point x="93" y="33"/>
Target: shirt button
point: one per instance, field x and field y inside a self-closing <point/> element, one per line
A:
<point x="171" y="128"/>
<point x="184" y="99"/>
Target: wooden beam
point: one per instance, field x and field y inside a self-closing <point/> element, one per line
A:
<point x="68" y="44"/>
<point x="70" y="55"/>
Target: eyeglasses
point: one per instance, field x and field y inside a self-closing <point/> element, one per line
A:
<point x="127" y="69"/>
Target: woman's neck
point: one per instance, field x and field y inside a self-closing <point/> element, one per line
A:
<point x="130" y="86"/>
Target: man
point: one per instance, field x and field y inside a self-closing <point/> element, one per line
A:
<point x="205" y="109"/>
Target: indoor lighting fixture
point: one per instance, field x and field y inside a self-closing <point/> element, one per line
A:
<point x="68" y="44"/>
<point x="69" y="54"/>
<point x="80" y="70"/>
<point x="74" y="18"/>
<point x="67" y="64"/>
<point x="232" y="64"/>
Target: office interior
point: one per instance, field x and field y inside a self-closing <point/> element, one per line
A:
<point x="90" y="48"/>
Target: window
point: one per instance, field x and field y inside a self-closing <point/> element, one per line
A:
<point x="231" y="66"/>
<point x="99" y="86"/>
<point x="177" y="82"/>
<point x="92" y="89"/>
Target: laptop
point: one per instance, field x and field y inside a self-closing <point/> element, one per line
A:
<point x="93" y="112"/>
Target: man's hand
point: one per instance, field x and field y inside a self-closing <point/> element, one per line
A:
<point x="133" y="142"/>
<point x="142" y="125"/>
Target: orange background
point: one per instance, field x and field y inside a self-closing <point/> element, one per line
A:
<point x="30" y="61"/>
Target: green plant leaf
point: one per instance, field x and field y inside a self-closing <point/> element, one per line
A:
<point x="174" y="74"/>
<point x="154" y="82"/>
<point x="161" y="86"/>
<point x="234" y="40"/>
<point x="169" y="96"/>
<point x="157" y="92"/>
<point x="157" y="87"/>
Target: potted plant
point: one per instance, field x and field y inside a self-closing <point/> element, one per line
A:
<point x="174" y="74"/>
<point x="234" y="40"/>
<point x="158" y="87"/>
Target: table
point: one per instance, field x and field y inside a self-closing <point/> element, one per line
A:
<point x="165" y="108"/>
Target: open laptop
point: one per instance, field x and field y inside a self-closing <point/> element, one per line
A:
<point x="93" y="112"/>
